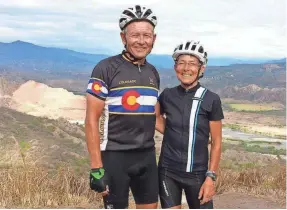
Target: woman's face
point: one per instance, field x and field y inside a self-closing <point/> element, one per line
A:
<point x="187" y="68"/>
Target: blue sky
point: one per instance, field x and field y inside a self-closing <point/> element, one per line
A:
<point x="245" y="28"/>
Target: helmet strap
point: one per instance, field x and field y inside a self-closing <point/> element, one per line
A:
<point x="130" y="56"/>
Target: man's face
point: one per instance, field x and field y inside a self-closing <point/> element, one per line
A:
<point x="139" y="38"/>
<point x="186" y="68"/>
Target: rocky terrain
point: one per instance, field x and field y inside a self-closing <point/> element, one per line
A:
<point x="40" y="141"/>
<point x="254" y="93"/>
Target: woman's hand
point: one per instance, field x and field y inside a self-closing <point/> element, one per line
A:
<point x="207" y="191"/>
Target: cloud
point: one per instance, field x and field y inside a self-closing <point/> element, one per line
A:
<point x="226" y="28"/>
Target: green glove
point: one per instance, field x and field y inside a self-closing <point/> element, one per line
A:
<point x="98" y="181"/>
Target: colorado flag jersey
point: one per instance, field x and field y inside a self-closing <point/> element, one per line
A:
<point x="130" y="93"/>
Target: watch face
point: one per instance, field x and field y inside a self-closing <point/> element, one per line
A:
<point x="211" y="175"/>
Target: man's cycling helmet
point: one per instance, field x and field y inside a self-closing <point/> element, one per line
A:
<point x="191" y="48"/>
<point x="137" y="13"/>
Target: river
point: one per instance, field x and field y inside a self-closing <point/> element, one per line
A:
<point x="228" y="133"/>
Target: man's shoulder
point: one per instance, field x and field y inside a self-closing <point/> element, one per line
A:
<point x="112" y="61"/>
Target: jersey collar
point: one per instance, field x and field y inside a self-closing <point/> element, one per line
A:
<point x="129" y="60"/>
<point x="191" y="90"/>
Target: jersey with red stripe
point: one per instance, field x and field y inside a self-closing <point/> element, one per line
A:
<point x="130" y="93"/>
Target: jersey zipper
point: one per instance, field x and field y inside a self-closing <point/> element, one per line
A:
<point x="139" y="68"/>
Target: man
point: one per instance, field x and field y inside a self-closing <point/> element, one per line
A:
<point x="192" y="114"/>
<point x="123" y="91"/>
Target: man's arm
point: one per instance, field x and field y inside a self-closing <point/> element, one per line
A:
<point x="160" y="120"/>
<point x="94" y="110"/>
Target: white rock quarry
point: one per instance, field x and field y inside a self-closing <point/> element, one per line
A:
<point x="39" y="99"/>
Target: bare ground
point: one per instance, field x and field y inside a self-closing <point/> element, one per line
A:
<point x="244" y="201"/>
<point x="235" y="200"/>
<point x="271" y="125"/>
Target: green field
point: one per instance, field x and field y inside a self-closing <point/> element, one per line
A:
<point x="253" y="107"/>
<point x="251" y="147"/>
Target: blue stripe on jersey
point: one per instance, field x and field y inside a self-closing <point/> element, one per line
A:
<point x="141" y="109"/>
<point x="100" y="94"/>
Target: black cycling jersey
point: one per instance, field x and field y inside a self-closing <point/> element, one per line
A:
<point x="188" y="113"/>
<point x="130" y="92"/>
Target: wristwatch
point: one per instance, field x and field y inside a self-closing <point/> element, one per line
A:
<point x="211" y="174"/>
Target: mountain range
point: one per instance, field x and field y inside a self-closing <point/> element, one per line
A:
<point x="61" y="68"/>
<point x="24" y="55"/>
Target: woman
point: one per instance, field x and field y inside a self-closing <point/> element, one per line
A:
<point x="192" y="114"/>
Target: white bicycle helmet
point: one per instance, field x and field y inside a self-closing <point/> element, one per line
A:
<point x="191" y="48"/>
<point x="137" y="13"/>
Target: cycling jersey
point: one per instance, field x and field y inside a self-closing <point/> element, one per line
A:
<point x="130" y="92"/>
<point x="186" y="135"/>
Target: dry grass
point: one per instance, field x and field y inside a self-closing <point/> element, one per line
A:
<point x="25" y="185"/>
<point x="32" y="187"/>
<point x="268" y="181"/>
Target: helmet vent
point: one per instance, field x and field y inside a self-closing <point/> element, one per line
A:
<point x="128" y="13"/>
<point x="147" y="13"/>
<point x="187" y="45"/>
<point x="200" y="49"/>
<point x="138" y="11"/>
<point x="193" y="47"/>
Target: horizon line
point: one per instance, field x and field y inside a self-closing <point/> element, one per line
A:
<point x="160" y="54"/>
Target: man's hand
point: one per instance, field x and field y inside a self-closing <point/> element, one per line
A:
<point x="207" y="190"/>
<point x="98" y="181"/>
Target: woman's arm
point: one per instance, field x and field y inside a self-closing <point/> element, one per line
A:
<point x="216" y="139"/>
<point x="208" y="188"/>
<point x="160" y="120"/>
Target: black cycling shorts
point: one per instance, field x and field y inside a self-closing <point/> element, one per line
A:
<point x="136" y="169"/>
<point x="172" y="183"/>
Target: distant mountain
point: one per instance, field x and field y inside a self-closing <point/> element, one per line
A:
<point x="271" y="75"/>
<point x="27" y="56"/>
<point x="166" y="61"/>
<point x="22" y="61"/>
<point x="254" y="93"/>
<point x="253" y="82"/>
<point x="283" y="60"/>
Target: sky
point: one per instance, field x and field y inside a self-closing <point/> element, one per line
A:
<point x="234" y="28"/>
